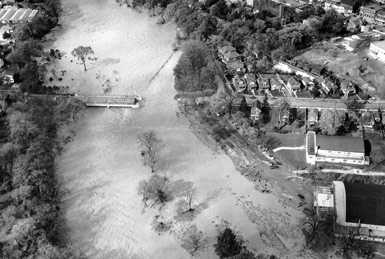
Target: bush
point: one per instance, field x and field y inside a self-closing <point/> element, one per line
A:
<point x="228" y="244"/>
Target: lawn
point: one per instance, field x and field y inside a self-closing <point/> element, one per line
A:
<point x="289" y="140"/>
<point x="296" y="159"/>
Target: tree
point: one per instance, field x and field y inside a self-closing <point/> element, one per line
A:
<point x="330" y="121"/>
<point x="154" y="189"/>
<point x="228" y="244"/>
<point x="81" y="53"/>
<point x="270" y="142"/>
<point x="151" y="148"/>
<point x="24" y="51"/>
<point x="318" y="231"/>
<point x="196" y="69"/>
<point x="192" y="239"/>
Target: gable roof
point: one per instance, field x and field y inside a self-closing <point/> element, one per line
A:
<point x="226" y="49"/>
<point x="340" y="143"/>
<point x="231" y="54"/>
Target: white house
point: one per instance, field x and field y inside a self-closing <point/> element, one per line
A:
<point x="335" y="149"/>
<point x="377" y="50"/>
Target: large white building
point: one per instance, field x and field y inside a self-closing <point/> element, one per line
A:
<point x="358" y="209"/>
<point x="335" y="149"/>
<point x="377" y="50"/>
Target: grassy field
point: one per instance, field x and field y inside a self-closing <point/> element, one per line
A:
<point x="296" y="159"/>
<point x="290" y="140"/>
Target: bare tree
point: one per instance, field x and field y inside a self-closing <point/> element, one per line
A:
<point x="154" y="189"/>
<point x="166" y="170"/>
<point x="81" y="53"/>
<point x="192" y="239"/>
<point x="151" y="148"/>
<point x="190" y="194"/>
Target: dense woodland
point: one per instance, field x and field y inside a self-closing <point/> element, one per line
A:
<point x="29" y="189"/>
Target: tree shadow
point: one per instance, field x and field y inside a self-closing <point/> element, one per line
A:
<point x="179" y="188"/>
<point x="368" y="147"/>
<point x="189" y="215"/>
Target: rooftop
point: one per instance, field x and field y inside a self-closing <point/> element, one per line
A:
<point x="379" y="44"/>
<point x="365" y="203"/>
<point x="340" y="143"/>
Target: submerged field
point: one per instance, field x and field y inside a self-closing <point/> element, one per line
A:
<point x="101" y="167"/>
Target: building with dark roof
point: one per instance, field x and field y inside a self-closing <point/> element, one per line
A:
<point x="359" y="210"/>
<point x="335" y="149"/>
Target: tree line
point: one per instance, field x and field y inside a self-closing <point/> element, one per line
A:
<point x="30" y="193"/>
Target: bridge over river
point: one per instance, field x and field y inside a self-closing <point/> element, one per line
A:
<point x="119" y="101"/>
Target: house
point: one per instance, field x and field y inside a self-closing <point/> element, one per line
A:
<point x="358" y="210"/>
<point x="225" y="49"/>
<point x="367" y="119"/>
<point x="347" y="87"/>
<point x="251" y="80"/>
<point x="275" y="84"/>
<point x="344" y="7"/>
<point x="312" y="116"/>
<point x="377" y="50"/>
<point x="293" y="85"/>
<point x="354" y="24"/>
<point x="8" y="75"/>
<point x="263" y="82"/>
<point x="230" y="57"/>
<point x="236" y="67"/>
<point x="368" y="12"/>
<point x="256" y="111"/>
<point x="284" y="115"/>
<point x="335" y="149"/>
<point x="239" y="84"/>
<point x="379" y="17"/>
<point x="252" y="3"/>
<point x="308" y="83"/>
<point x="315" y="69"/>
<point x="328" y="85"/>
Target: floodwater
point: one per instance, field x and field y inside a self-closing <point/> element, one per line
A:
<point x="101" y="167"/>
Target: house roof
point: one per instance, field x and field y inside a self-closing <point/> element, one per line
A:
<point x="379" y="44"/>
<point x="365" y="203"/>
<point x="293" y="82"/>
<point x="313" y="114"/>
<point x="231" y="54"/>
<point x="340" y="143"/>
<point x="274" y="81"/>
<point x="306" y="80"/>
<point x="235" y="65"/>
<point x="226" y="49"/>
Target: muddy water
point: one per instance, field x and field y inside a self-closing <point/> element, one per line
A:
<point x="101" y="167"/>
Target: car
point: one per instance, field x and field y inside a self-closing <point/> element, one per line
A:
<point x="274" y="167"/>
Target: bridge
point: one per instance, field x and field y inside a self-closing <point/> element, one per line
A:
<point x="117" y="101"/>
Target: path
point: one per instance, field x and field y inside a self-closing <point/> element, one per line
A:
<point x="289" y="148"/>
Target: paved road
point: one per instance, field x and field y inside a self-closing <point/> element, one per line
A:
<point x="317" y="103"/>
